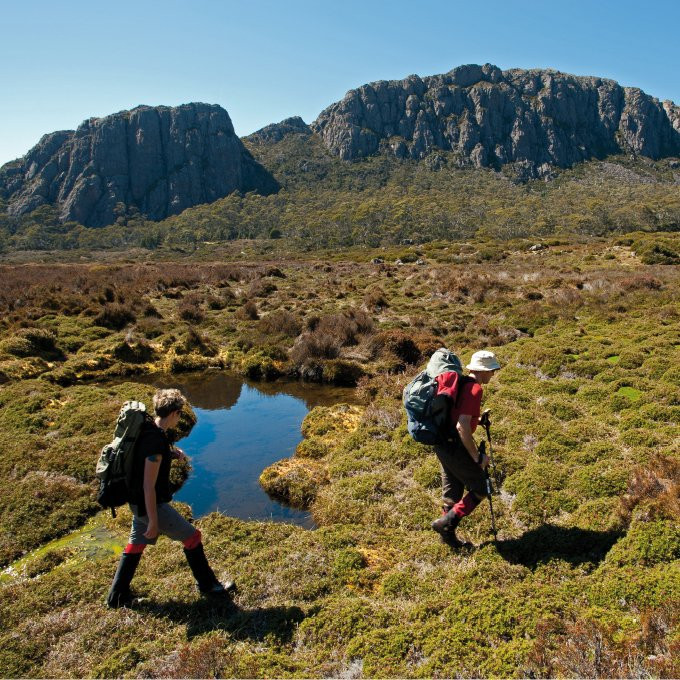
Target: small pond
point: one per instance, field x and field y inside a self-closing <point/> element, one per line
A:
<point x="242" y="428"/>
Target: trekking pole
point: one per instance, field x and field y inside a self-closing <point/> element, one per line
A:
<point x="493" y="517"/>
<point x="489" y="493"/>
<point x="487" y="426"/>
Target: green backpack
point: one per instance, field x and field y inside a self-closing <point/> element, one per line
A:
<point x="115" y="460"/>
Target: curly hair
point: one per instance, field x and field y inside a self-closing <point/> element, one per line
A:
<point x="167" y="401"/>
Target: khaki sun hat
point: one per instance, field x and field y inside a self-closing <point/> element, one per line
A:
<point x="483" y="361"/>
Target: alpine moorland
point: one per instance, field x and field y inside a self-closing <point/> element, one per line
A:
<point x="348" y="251"/>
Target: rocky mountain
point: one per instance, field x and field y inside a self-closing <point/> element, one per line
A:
<point x="532" y="118"/>
<point x="157" y="160"/>
<point x="277" y="131"/>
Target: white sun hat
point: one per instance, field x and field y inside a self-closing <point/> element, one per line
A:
<point x="483" y="361"/>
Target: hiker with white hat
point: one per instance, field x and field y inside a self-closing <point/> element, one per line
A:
<point x="462" y="464"/>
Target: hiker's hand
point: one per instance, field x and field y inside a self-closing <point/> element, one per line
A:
<point x="178" y="454"/>
<point x="484" y="418"/>
<point x="152" y="531"/>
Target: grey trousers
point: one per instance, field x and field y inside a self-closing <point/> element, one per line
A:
<point x="170" y="524"/>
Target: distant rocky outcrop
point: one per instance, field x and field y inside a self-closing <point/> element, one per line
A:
<point x="277" y="131"/>
<point x="488" y="117"/>
<point x="156" y="160"/>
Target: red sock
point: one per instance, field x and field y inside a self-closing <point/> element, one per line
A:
<point x="466" y="505"/>
<point x="193" y="541"/>
<point x="134" y="548"/>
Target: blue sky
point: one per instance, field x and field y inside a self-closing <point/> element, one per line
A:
<point x="264" y="61"/>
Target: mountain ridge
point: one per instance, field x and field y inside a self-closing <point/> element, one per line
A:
<point x="154" y="160"/>
<point x="536" y="118"/>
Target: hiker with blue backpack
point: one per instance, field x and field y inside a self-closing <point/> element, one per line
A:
<point x="144" y="482"/>
<point x="443" y="407"/>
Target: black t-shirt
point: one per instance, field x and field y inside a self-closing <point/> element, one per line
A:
<point x="152" y="441"/>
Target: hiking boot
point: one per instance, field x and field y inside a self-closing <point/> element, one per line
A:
<point x="449" y="537"/>
<point x="206" y="580"/>
<point x="446" y="524"/>
<point x="118" y="600"/>
<point x="220" y="590"/>
<point x="119" y="594"/>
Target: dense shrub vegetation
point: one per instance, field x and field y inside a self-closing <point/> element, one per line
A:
<point x="585" y="578"/>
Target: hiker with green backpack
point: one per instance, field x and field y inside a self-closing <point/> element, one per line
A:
<point x="136" y="467"/>
<point x="443" y="408"/>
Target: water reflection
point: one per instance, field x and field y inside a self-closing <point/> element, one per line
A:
<point x="210" y="391"/>
<point x="242" y="428"/>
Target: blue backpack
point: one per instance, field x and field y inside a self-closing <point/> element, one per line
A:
<point x="426" y="411"/>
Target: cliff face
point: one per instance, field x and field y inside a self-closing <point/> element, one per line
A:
<point x="159" y="160"/>
<point x="491" y="117"/>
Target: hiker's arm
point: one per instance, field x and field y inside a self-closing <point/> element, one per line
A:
<point x="151" y="467"/>
<point x="465" y="431"/>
